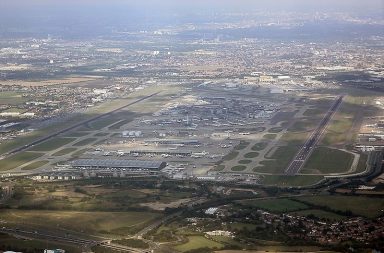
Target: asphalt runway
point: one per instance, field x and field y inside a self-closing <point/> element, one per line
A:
<point x="306" y="150"/>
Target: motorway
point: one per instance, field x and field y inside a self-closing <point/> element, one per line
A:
<point x="85" y="243"/>
<point x="306" y="150"/>
<point x="17" y="150"/>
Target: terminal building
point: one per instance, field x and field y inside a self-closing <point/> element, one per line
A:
<point x="116" y="164"/>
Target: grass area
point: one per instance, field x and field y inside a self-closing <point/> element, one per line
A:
<point x="92" y="223"/>
<point x="304" y="125"/>
<point x="231" y="156"/>
<point x="280" y="160"/>
<point x="52" y="144"/>
<point x="275" y="205"/>
<point x="238" y="168"/>
<point x="84" y="142"/>
<point x="17" y="244"/>
<point x="119" y="124"/>
<point x="245" y="161"/>
<point x="362" y="165"/>
<point x="327" y="160"/>
<point x="35" y="165"/>
<point x="103" y="122"/>
<point x="269" y="136"/>
<point x="275" y="130"/>
<point x="18" y="160"/>
<point x="133" y="243"/>
<point x="12" y="98"/>
<point x="366" y="206"/>
<point x="240" y="226"/>
<point x="79" y="152"/>
<point x="259" y="146"/>
<point x="196" y="242"/>
<point x="76" y="134"/>
<point x="242" y="145"/>
<point x="64" y="151"/>
<point x="314" y="112"/>
<point x="282" y="116"/>
<point x="101" y="134"/>
<point x="290" y="181"/>
<point x="219" y="167"/>
<point x="320" y="214"/>
<point x="251" y="155"/>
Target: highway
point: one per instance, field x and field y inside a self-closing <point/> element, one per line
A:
<point x="306" y="150"/>
<point x="86" y="243"/>
<point x="17" y="150"/>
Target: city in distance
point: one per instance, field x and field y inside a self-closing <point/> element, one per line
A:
<point x="191" y="126"/>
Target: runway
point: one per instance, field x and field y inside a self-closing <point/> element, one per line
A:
<point x="306" y="150"/>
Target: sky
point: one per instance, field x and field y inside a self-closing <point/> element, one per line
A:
<point x="32" y="15"/>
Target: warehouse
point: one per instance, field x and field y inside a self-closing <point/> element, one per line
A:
<point x="118" y="164"/>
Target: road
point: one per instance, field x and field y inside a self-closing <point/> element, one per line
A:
<point x="17" y="150"/>
<point x="306" y="150"/>
<point x="85" y="243"/>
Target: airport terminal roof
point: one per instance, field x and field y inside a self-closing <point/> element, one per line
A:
<point x="117" y="163"/>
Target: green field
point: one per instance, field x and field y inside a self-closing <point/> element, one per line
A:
<point x="275" y="130"/>
<point x="101" y="134"/>
<point x="251" y="155"/>
<point x="9" y="242"/>
<point x="103" y="122"/>
<point x="91" y="223"/>
<point x="35" y="165"/>
<point x="238" y="168"/>
<point x="231" y="156"/>
<point x="275" y="205"/>
<point x="279" y="160"/>
<point x="289" y="181"/>
<point x="366" y="206"/>
<point x="64" y="151"/>
<point x="320" y="214"/>
<point x="18" y="160"/>
<point x="79" y="152"/>
<point x="242" y="145"/>
<point x="269" y="136"/>
<point x="52" y="144"/>
<point x="327" y="160"/>
<point x="245" y="161"/>
<point x="76" y="134"/>
<point x="84" y="142"/>
<point x="195" y="242"/>
<point x="259" y="146"/>
<point x="12" y="98"/>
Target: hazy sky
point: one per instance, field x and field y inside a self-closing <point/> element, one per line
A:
<point x="291" y="4"/>
<point x="85" y="15"/>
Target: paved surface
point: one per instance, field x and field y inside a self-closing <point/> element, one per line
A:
<point x="306" y="150"/>
<point x="17" y="150"/>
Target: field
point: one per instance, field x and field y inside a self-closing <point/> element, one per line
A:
<point x="320" y="214"/>
<point x="326" y="160"/>
<point x="34" y="165"/>
<point x="365" y="206"/>
<point x="64" y="151"/>
<point x="91" y="223"/>
<point x="279" y="160"/>
<point x="275" y="205"/>
<point x="71" y="196"/>
<point x="286" y="181"/>
<point x="84" y="142"/>
<point x="52" y="144"/>
<point x="13" y="243"/>
<point x="195" y="242"/>
<point x="18" y="160"/>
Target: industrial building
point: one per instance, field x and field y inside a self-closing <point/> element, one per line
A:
<point x="118" y="164"/>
